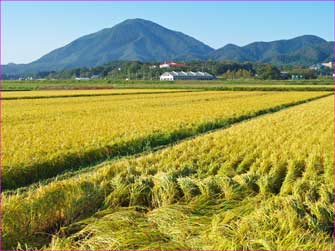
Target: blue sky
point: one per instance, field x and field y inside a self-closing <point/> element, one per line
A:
<point x="32" y="29"/>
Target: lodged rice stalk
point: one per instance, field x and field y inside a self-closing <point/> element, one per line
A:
<point x="266" y="183"/>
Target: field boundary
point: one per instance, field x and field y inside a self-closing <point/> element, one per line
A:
<point x="285" y="89"/>
<point x="233" y="88"/>
<point x="26" y="176"/>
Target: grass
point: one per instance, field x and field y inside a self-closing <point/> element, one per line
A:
<point x="266" y="183"/>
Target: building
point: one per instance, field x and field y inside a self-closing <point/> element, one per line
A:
<point x="297" y="77"/>
<point x="95" y="76"/>
<point x="27" y="78"/>
<point x="328" y="65"/>
<point x="315" y="67"/>
<point x="319" y="66"/>
<point x="80" y="79"/>
<point x="171" y="64"/>
<point x="284" y="74"/>
<point x="173" y="75"/>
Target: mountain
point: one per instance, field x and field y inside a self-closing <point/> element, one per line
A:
<point x="303" y="50"/>
<point x="133" y="39"/>
<point x="138" y="39"/>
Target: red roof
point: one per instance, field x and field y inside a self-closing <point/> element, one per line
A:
<point x="174" y="64"/>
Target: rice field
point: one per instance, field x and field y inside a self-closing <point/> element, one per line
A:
<point x="263" y="180"/>
<point x="228" y="84"/>
<point x="45" y="137"/>
<point x="10" y="95"/>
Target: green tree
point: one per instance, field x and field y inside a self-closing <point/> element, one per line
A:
<point x="268" y="71"/>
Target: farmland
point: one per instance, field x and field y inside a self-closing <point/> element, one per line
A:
<point x="81" y="93"/>
<point x="44" y="137"/>
<point x="168" y="169"/>
<point x="231" y="84"/>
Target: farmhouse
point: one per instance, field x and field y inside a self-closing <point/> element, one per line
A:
<point x="319" y="66"/>
<point x="297" y="77"/>
<point x="328" y="65"/>
<point x="173" y="75"/>
<point x="80" y="79"/>
<point x="170" y="64"/>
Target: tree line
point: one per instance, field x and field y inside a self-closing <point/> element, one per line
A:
<point x="136" y="70"/>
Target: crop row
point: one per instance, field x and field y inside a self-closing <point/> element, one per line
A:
<point x="44" y="137"/>
<point x="266" y="183"/>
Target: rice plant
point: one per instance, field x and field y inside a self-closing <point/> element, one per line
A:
<point x="43" y="137"/>
<point x="263" y="184"/>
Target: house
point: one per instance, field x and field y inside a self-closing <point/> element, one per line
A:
<point x="171" y="64"/>
<point x="315" y="67"/>
<point x="284" y="74"/>
<point x="321" y="65"/>
<point x="297" y="77"/>
<point x="165" y="65"/>
<point x="79" y="79"/>
<point x="173" y="75"/>
<point x="328" y="65"/>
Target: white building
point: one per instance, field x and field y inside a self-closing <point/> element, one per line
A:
<point x="80" y="79"/>
<point x="165" y="65"/>
<point x="315" y="67"/>
<point x="173" y="75"/>
<point x="95" y="76"/>
<point x="329" y="64"/>
<point x="171" y="64"/>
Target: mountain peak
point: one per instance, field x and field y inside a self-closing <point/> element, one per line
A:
<point x="146" y="41"/>
<point x="311" y="38"/>
<point x="132" y="39"/>
<point x="303" y="50"/>
<point x="137" y="20"/>
<point x="231" y="46"/>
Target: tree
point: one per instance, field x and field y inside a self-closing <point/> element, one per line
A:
<point x="306" y="73"/>
<point x="268" y="71"/>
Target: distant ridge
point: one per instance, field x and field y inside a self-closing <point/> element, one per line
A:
<point x="143" y="40"/>
<point x="303" y="50"/>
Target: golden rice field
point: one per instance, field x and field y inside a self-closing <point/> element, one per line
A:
<point x="266" y="183"/>
<point x="9" y="95"/>
<point x="44" y="137"/>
